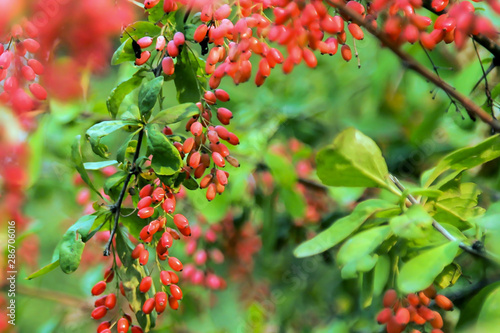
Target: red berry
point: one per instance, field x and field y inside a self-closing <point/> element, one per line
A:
<point x="144" y="202"/>
<point x="28" y="73"/>
<point x="174" y="278"/>
<point x="99" y="312"/>
<point x="145" y="42"/>
<point x="38" y="91"/>
<point x="143" y="59"/>
<point x="98" y="288"/>
<point x="173" y="303"/>
<point x="390" y="298"/>
<point x="122" y="325"/>
<point x="136" y="329"/>
<point x="146" y="212"/>
<point x="221" y="95"/>
<point x="31" y="45"/>
<point x="102" y="326"/>
<point x="165" y="277"/>
<point x="172" y="49"/>
<point x="179" y="38"/>
<point x="160" y="301"/>
<point x="444" y="302"/>
<point x="146" y="191"/>
<point x="158" y="194"/>
<point x="110" y="301"/>
<point x="384" y="316"/>
<point x="136" y="253"/>
<point x="402" y="316"/>
<point x="36" y="65"/>
<point x="144" y="257"/>
<point x="160" y="45"/>
<point x="145" y="284"/>
<point x="180" y="221"/>
<point x="176" y="291"/>
<point x="148" y="305"/>
<point x="175" y="264"/>
<point x="167" y="65"/>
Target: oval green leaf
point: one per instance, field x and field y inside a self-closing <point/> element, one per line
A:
<point x="342" y="228"/>
<point x="419" y="272"/>
<point x="353" y="160"/>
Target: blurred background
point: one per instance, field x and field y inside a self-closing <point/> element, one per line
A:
<point x="274" y="200"/>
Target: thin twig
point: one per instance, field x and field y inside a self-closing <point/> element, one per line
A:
<point x="483" y="254"/>
<point x="413" y="64"/>
<point x="435" y="68"/>
<point x="485" y="77"/>
<point x="116" y="208"/>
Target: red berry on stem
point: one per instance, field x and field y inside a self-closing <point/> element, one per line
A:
<point x="175" y="264"/>
<point x="145" y="284"/>
<point x="99" y="312"/>
<point x="98" y="288"/>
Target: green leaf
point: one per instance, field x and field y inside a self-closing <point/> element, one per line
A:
<point x="127" y="150"/>
<point x="123" y="53"/>
<point x="166" y="158"/>
<point x="117" y="95"/>
<point x="342" y="228"/>
<point x="188" y="77"/>
<point x="133" y="222"/>
<point x="141" y="29"/>
<point x="366" y="292"/>
<point x="176" y="113"/>
<point x="131" y="274"/>
<point x="293" y="201"/>
<point x="149" y="94"/>
<point x="102" y="129"/>
<point x="473" y="310"/>
<point x="44" y="270"/>
<point x="362" y="244"/>
<point x="70" y="251"/>
<point x="457" y="205"/>
<point x="414" y="223"/>
<point x="76" y="156"/>
<point x="464" y="159"/>
<point x="98" y="165"/>
<point x="381" y="274"/>
<point x="190" y="183"/>
<point x="419" y="272"/>
<point x="353" y="160"/>
<point x="280" y="170"/>
<point x="112" y="185"/>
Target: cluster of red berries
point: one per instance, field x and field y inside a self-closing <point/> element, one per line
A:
<point x="205" y="145"/>
<point x="197" y="247"/>
<point x="456" y="22"/>
<point x="413" y="312"/>
<point x="306" y="27"/>
<point x="107" y="303"/>
<point x="160" y="196"/>
<point x="19" y="68"/>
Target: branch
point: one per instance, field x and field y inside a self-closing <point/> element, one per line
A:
<point x="414" y="65"/>
<point x="482" y="254"/>
<point x="116" y="208"/>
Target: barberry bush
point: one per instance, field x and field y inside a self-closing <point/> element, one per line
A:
<point x="208" y="166"/>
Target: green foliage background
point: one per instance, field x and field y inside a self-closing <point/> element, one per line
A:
<point x="382" y="99"/>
